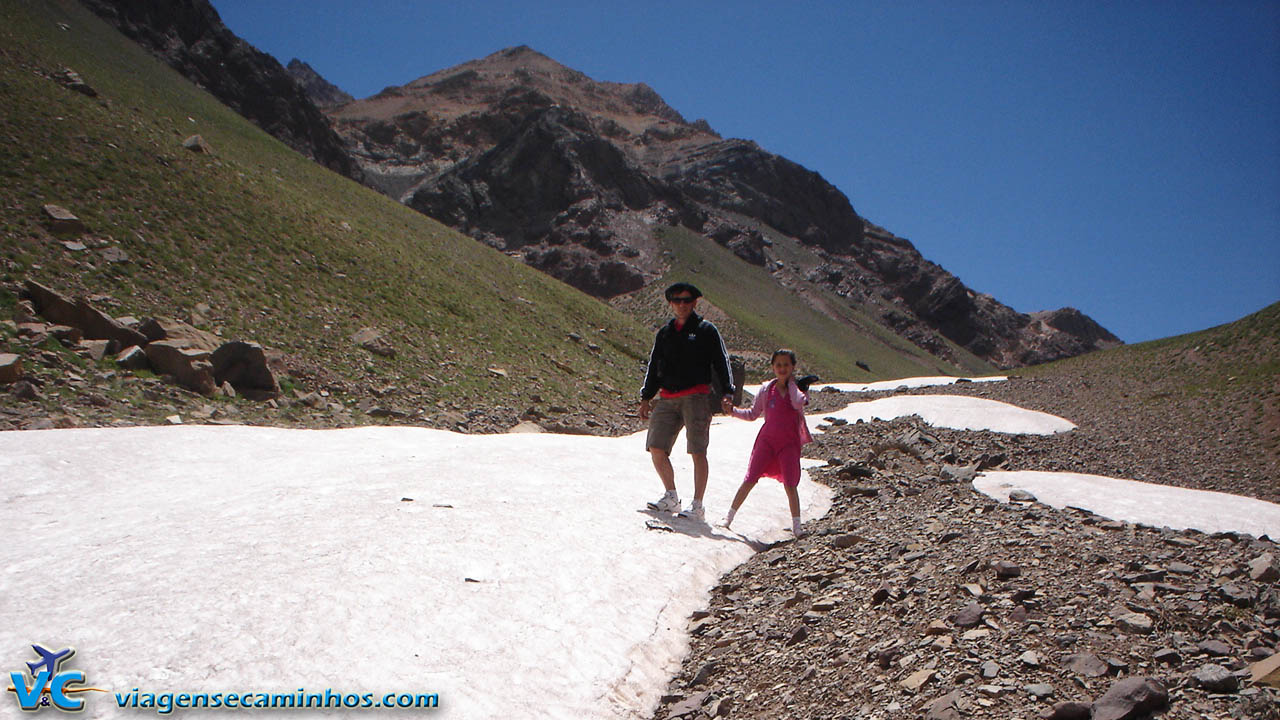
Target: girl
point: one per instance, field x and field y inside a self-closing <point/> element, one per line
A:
<point x="776" y="453"/>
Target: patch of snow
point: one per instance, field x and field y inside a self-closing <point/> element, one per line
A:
<point x="520" y="581"/>
<point x="1139" y="502"/>
<point x="958" y="412"/>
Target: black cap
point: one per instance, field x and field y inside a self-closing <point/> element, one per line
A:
<point x="682" y="287"/>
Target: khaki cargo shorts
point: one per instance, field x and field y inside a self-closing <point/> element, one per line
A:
<point x="691" y="412"/>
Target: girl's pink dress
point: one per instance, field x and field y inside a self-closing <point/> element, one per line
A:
<point x="776" y="453"/>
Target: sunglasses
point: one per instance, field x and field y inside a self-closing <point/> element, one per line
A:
<point x="683" y="300"/>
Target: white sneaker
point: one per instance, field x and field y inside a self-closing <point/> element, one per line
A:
<point x="695" y="511"/>
<point x="669" y="502"/>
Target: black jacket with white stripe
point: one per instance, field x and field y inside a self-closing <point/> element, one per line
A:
<point x="693" y="355"/>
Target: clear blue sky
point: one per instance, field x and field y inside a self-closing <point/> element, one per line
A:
<point x="1118" y="157"/>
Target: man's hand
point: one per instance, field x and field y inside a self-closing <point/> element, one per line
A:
<point x="726" y="404"/>
<point x="645" y="407"/>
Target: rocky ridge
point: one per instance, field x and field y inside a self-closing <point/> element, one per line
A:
<point x="323" y="93"/>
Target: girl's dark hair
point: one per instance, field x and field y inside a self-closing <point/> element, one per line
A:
<point x="783" y="351"/>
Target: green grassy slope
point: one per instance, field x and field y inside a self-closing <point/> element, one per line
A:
<point x="1233" y="368"/>
<point x="760" y="316"/>
<point x="285" y="252"/>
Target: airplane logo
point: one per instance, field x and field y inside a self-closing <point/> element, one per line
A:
<point x="50" y="683"/>
<point x="49" y="660"/>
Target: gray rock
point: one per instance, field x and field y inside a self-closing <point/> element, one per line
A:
<point x="97" y="349"/>
<point x="1039" y="691"/>
<point x="133" y="358"/>
<point x="1131" y="699"/>
<point x="970" y="616"/>
<point x="956" y="474"/>
<point x="689" y="705"/>
<point x="371" y="339"/>
<point x="1215" y="678"/>
<point x="1006" y="570"/>
<point x="1263" y="569"/>
<point x="62" y="221"/>
<point x="1236" y="595"/>
<point x="1168" y="656"/>
<point x="944" y="708"/>
<point x="1086" y="664"/>
<point x="1030" y="658"/>
<point x="1136" y="623"/>
<point x="990" y="670"/>
<point x="1020" y="495"/>
<point x="1215" y="648"/>
<point x="197" y="144"/>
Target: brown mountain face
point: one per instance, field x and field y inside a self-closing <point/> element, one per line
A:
<point x="572" y="175"/>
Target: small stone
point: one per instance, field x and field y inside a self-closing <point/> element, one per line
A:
<point x="917" y="679"/>
<point x="970" y="616"/>
<point x="197" y="144"/>
<point x="800" y="635"/>
<point x="24" y="390"/>
<point x="847" y="540"/>
<point x="1135" y="623"/>
<point x="1263" y="569"/>
<point x="174" y="419"/>
<point x="1020" y="495"/>
<point x="702" y="675"/>
<point x="990" y="670"/>
<point x="1086" y="664"/>
<point x="1070" y="710"/>
<point x="1215" y="648"/>
<point x="1236" y="595"/>
<point x="1030" y="658"/>
<point x="1168" y="656"/>
<point x="1130" y="699"/>
<point x="1039" y="691"/>
<point x="1215" y="678"/>
<point x="1006" y="570"/>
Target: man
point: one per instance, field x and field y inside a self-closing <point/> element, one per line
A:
<point x="687" y="354"/>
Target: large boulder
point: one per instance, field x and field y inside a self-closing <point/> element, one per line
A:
<point x="62" y="221"/>
<point x="244" y="365"/>
<point x="179" y="333"/>
<point x="10" y="368"/>
<point x="95" y="324"/>
<point x="191" y="368"/>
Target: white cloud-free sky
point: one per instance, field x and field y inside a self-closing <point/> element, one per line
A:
<point x="514" y="575"/>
